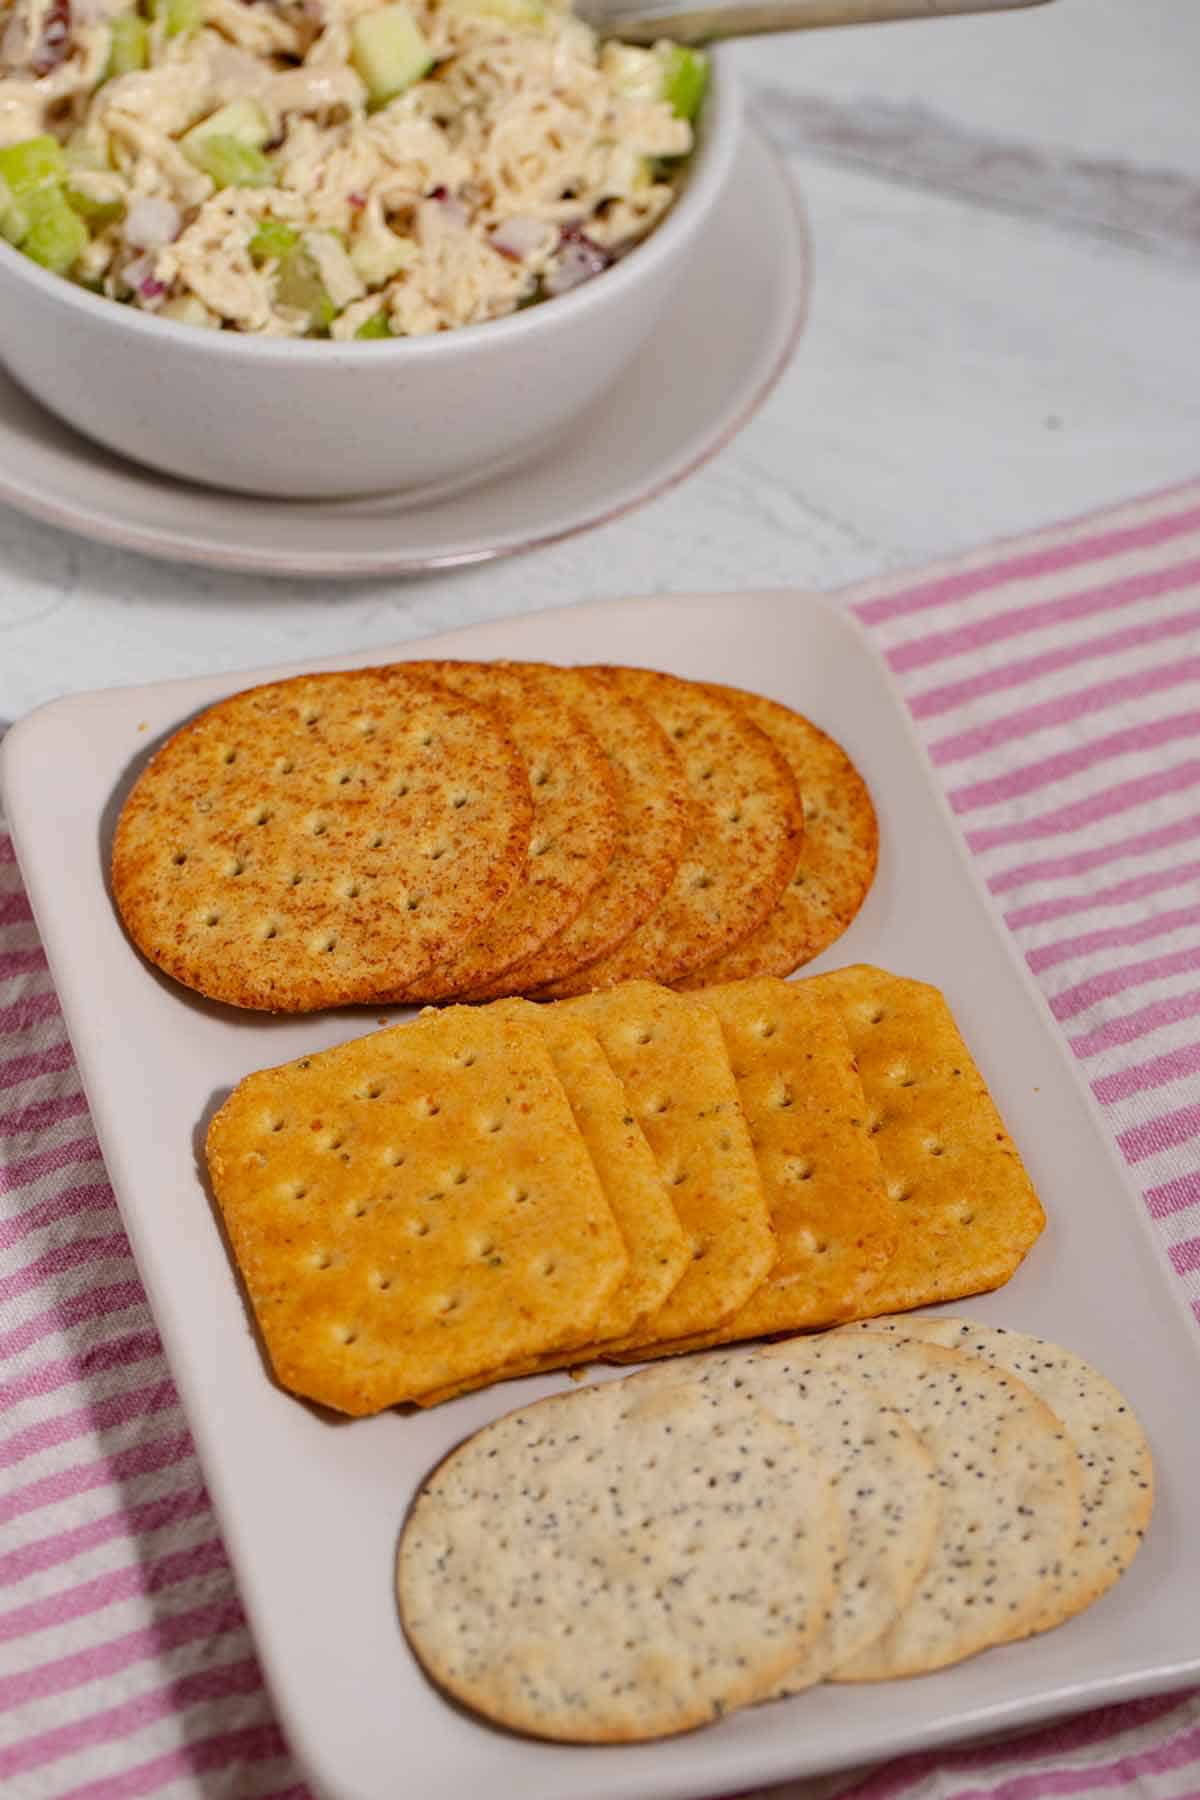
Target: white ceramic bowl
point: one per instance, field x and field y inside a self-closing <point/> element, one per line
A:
<point x="303" y="420"/>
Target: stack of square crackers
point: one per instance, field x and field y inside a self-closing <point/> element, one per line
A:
<point x="485" y="1192"/>
<point x="442" y="830"/>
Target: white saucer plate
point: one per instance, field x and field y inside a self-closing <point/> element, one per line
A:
<point x="705" y="372"/>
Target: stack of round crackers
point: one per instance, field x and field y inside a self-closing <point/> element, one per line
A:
<point x="643" y="1556"/>
<point x="437" y="830"/>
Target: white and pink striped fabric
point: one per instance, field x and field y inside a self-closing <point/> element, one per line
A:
<point x="1057" y="683"/>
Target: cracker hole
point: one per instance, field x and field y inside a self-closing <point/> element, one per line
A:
<point x="268" y="930"/>
<point x="702" y="880"/>
<point x="179" y="858"/>
<point x="465" y="1058"/>
<point x="260" y="816"/>
<point x="376" y="842"/>
<point x="491" y="1126"/>
<point x="295" y="1190"/>
<point x="660" y="1106"/>
<point x="393" y="1158"/>
<point x="346" y="1334"/>
<point x="874" y="1123"/>
<point x="284" y="765"/>
<point x="357" y="1210"/>
<point x="446" y="1303"/>
<point x="539" y="846"/>
<point x="366" y="728"/>
<point x="413" y="902"/>
<point x="418" y="1227"/>
<point x="278" y="1123"/>
<point x="782" y="1097"/>
<point x="679" y="1177"/>
<point x="371" y="1091"/>
<point x="679" y="731"/>
<point x="643" y="1036"/>
<point x="544" y="1266"/>
<point x="295" y="878"/>
<point x="211" y="917"/>
<point x="318" y="827"/>
<point x="873" y="1015"/>
<point x="966" y="1218"/>
<point x="799" y="1169"/>
<point x="458" y="801"/>
<point x="436" y="852"/>
<point x="899" y="1190"/>
<point x="519" y="1196"/>
<point x="707" y="774"/>
<point x="343" y="778"/>
<point x="902" y="1076"/>
<point x="427" y="1107"/>
<point x="322" y="1260"/>
<point x="699" y="1249"/>
<point x="539" y="775"/>
<point x="483" y="1248"/>
<point x="380" y="1282"/>
<point x="764" y="1029"/>
<point x="350" y="890"/>
<point x="309" y="716"/>
<point x="229" y="757"/>
<point x="323" y="945"/>
<point x="400" y="790"/>
<point x="734" y="816"/>
<point x="460" y="1177"/>
<point x="934" y="1148"/>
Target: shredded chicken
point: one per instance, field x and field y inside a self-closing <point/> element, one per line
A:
<point x="517" y="166"/>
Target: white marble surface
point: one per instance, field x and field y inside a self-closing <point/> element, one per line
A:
<point x="1006" y="215"/>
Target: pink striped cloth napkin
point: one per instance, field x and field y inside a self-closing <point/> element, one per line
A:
<point x="1057" y="684"/>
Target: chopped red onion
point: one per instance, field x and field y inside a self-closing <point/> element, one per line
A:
<point x="151" y="222"/>
<point x="150" y="289"/>
<point x="578" y="260"/>
<point x="358" y="201"/>
<point x="51" y="47"/>
<point x="518" y="237"/>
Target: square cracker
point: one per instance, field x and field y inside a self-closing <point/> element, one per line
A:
<point x="412" y="1209"/>
<point x="669" y="1053"/>
<point x="655" y="1243"/>
<point x="836" y="1226"/>
<point x="947" y="1159"/>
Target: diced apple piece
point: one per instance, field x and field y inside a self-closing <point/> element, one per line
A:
<point x="299" y="286"/>
<point x="390" y="52"/>
<point x="187" y="310"/>
<point x="178" y="15"/>
<point x="635" y="73"/>
<point x="273" y="238"/>
<point x="230" y="163"/>
<point x="684" y="78"/>
<point x="36" y="162"/>
<point x="57" y="237"/>
<point x="375" y="327"/>
<point x="129" y="46"/>
<point x="378" y="255"/>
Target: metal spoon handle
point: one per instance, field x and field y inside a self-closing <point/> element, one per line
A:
<point x="693" y="22"/>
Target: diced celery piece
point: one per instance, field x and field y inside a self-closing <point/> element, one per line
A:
<point x="243" y="120"/>
<point x="390" y="52"/>
<point x="57" y="237"/>
<point x="35" y="162"/>
<point x="684" y="78"/>
<point x="129" y="45"/>
<point x="513" y="12"/>
<point x="14" y="221"/>
<point x="178" y="15"/>
<point x="85" y="152"/>
<point x="374" y="327"/>
<point x="97" y="213"/>
<point x="273" y="238"/>
<point x="230" y="163"/>
<point x="299" y="286"/>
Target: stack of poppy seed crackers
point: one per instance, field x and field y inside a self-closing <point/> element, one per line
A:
<point x="642" y="1556"/>
<point x="439" y="830"/>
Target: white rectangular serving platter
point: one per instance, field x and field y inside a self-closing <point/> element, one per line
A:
<point x="310" y="1510"/>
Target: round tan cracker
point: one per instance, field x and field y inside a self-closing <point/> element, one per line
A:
<point x="1010" y="1495"/>
<point x="837" y="858"/>
<point x="574" y="829"/>
<point x="652" y="809"/>
<point x="884" y="1480"/>
<point x="302" y="843"/>
<point x="1116" y="1468"/>
<point x="744" y="837"/>
<point x="606" y="1566"/>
